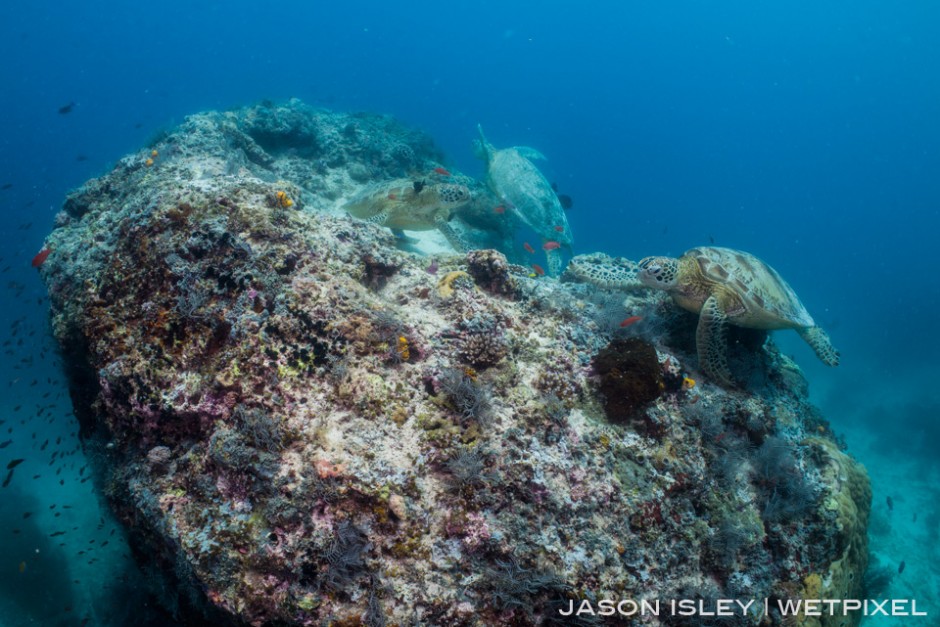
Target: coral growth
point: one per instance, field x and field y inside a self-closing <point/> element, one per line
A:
<point x="300" y="423"/>
<point x="630" y="377"/>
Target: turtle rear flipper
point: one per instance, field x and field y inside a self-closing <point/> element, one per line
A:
<point x="711" y="343"/>
<point x="453" y="237"/>
<point x="821" y="344"/>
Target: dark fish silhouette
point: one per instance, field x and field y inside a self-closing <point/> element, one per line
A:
<point x="16" y="462"/>
<point x="890" y="504"/>
<point x="6" y="186"/>
<point x="66" y="109"/>
<point x="901" y="567"/>
<point x="564" y="199"/>
<point x="6" y="481"/>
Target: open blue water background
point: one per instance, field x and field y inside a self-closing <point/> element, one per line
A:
<point x="805" y="132"/>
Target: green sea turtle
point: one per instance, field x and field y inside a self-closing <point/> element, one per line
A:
<point x="515" y="180"/>
<point x="413" y="205"/>
<point x="723" y="286"/>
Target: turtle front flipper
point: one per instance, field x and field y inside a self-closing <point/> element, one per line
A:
<point x="711" y="342"/>
<point x="821" y="344"/>
<point x="555" y="262"/>
<point x="606" y="272"/>
<point x="453" y="237"/>
<point x="404" y="239"/>
<point x="380" y="218"/>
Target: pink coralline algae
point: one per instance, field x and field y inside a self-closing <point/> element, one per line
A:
<point x="300" y="425"/>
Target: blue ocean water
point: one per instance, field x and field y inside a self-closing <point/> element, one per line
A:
<point x="804" y="132"/>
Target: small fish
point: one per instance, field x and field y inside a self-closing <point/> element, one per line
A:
<point x="550" y="245"/>
<point x="432" y="269"/>
<point x="6" y="186"/>
<point x="16" y="462"/>
<point x="499" y="209"/>
<point x="6" y="443"/>
<point x="23" y="567"/>
<point x="392" y="196"/>
<point x="629" y="321"/>
<point x="65" y="109"/>
<point x="81" y="158"/>
<point x="560" y="229"/>
<point x="539" y="270"/>
<point x="6" y="481"/>
<point x="901" y="567"/>
<point x="565" y="201"/>
<point x="40" y="257"/>
<point x="890" y="504"/>
<point x="442" y="172"/>
<point x="528" y="248"/>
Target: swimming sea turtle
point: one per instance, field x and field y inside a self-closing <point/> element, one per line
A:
<point x="723" y="286"/>
<point x="415" y="205"/>
<point x="528" y="194"/>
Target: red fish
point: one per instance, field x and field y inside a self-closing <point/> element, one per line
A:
<point x="539" y="270"/>
<point x="528" y="248"/>
<point x="560" y="229"/>
<point x="442" y="172"/>
<point x="393" y="196"/>
<point x="40" y="257"/>
<point x="551" y="245"/>
<point x="499" y="209"/>
<point x="628" y="321"/>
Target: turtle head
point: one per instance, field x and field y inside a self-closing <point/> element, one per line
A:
<point x="659" y="272"/>
<point x="454" y="195"/>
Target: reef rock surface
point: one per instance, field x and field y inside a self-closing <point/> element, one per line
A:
<point x="302" y="424"/>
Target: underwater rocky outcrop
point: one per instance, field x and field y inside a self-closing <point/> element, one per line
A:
<point x="302" y="424"/>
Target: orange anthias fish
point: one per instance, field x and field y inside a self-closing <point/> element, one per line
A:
<point x="40" y="257"/>
<point x="550" y="245"/>
<point x="442" y="172"/>
<point x="539" y="270"/>
<point x="628" y="321"/>
<point x="528" y="248"/>
<point x="499" y="209"/>
<point x="392" y="196"/>
<point x="560" y="229"/>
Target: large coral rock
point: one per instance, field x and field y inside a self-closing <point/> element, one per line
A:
<point x="301" y="424"/>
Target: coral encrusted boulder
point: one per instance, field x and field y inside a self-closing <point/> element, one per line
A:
<point x="303" y="423"/>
